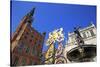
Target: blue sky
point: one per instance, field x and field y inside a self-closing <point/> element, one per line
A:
<point x="51" y="16"/>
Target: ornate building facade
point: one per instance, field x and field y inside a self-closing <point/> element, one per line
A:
<point x="54" y="55"/>
<point x="59" y="56"/>
<point x="72" y="50"/>
<point x="49" y="55"/>
<point x="80" y="47"/>
<point x="26" y="43"/>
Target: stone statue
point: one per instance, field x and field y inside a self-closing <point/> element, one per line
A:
<point x="78" y="36"/>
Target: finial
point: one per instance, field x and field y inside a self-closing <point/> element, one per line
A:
<point x="44" y="33"/>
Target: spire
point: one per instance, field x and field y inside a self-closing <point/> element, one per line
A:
<point x="31" y="12"/>
<point x="29" y="16"/>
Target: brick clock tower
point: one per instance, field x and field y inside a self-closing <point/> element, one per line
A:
<point x="26" y="43"/>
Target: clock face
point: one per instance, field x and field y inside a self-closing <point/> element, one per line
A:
<point x="60" y="60"/>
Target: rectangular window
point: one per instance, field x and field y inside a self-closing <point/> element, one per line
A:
<point x="27" y="33"/>
<point x="27" y="49"/>
<point x="20" y="47"/>
<point x="25" y="37"/>
<point x="31" y="62"/>
<point x="84" y="35"/>
<point x="40" y="41"/>
<point x="19" y="50"/>
<point x="15" y="61"/>
<point x="34" y="51"/>
<point x="23" y="61"/>
<point x="92" y="33"/>
<point x="30" y="40"/>
<point x="87" y="34"/>
<point x="32" y="36"/>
